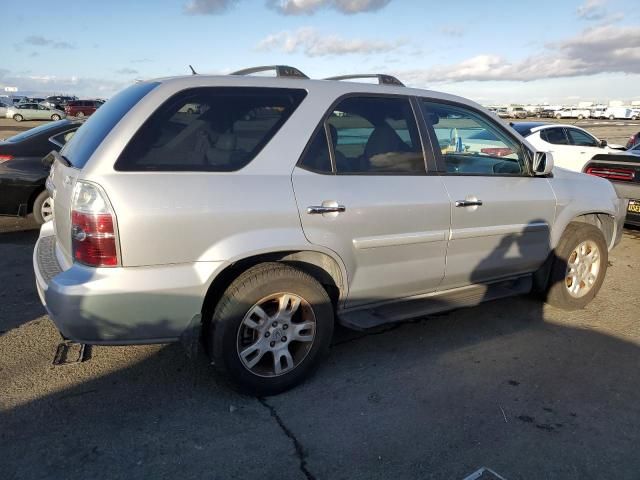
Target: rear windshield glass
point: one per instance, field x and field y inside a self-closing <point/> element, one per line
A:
<point x="93" y="132"/>
<point x="214" y="129"/>
<point x="42" y="129"/>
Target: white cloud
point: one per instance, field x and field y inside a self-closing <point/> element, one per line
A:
<point x="308" y="7"/>
<point x="208" y="7"/>
<point x="603" y="49"/>
<point x="592" y="10"/>
<point x="50" y="84"/>
<point x="315" y="44"/>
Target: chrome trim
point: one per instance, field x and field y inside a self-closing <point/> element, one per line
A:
<point x="468" y="203"/>
<point x="399" y="239"/>
<point x="319" y="209"/>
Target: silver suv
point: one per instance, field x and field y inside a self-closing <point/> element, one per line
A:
<point x="282" y="205"/>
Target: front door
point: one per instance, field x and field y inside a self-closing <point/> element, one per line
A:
<point x="500" y="214"/>
<point x="363" y="192"/>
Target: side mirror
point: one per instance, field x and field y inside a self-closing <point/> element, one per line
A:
<point x="603" y="143"/>
<point x="542" y="163"/>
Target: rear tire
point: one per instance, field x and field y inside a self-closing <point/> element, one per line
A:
<point x="611" y="117"/>
<point x="271" y="328"/>
<point x="578" y="268"/>
<point x="558" y="117"/>
<point x="18" y="118"/>
<point x="80" y="115"/>
<point x="55" y="117"/>
<point x="42" y="208"/>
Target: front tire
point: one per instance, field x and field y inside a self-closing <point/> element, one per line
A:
<point x="271" y="328"/>
<point x="579" y="267"/>
<point x="18" y="117"/>
<point x="55" y="117"/>
<point x="80" y="115"/>
<point x="558" y="117"/>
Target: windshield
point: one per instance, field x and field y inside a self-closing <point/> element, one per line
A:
<point x="94" y="131"/>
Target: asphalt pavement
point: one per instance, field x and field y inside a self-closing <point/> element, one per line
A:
<point x="523" y="389"/>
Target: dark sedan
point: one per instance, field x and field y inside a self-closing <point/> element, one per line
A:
<point x="624" y="171"/>
<point x="22" y="173"/>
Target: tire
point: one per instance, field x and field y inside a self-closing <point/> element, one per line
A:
<point x="558" y="117"/>
<point x="580" y="117"/>
<point x="80" y="115"/>
<point x="190" y="111"/>
<point x="237" y="331"/>
<point x="560" y="284"/>
<point x="55" y="117"/>
<point x="18" y="118"/>
<point x="42" y="208"/>
<point x="611" y="117"/>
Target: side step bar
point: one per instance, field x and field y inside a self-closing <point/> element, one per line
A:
<point x="367" y="318"/>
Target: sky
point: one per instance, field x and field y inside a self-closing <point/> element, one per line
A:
<point x="521" y="51"/>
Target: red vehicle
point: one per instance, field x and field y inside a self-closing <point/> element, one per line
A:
<point x="81" y="108"/>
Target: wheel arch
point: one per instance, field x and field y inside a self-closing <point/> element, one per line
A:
<point x="604" y="221"/>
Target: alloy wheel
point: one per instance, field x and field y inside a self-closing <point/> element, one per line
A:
<point x="46" y="209"/>
<point x="583" y="268"/>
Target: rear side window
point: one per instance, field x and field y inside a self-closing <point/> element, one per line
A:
<point x="555" y="136"/>
<point x="94" y="131"/>
<point x="214" y="129"/>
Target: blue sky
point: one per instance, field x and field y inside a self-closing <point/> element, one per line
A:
<point x="500" y="51"/>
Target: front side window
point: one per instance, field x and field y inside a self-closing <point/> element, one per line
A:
<point x="555" y="136"/>
<point x="471" y="144"/>
<point x="375" y="135"/>
<point x="217" y="129"/>
<point x="578" y="137"/>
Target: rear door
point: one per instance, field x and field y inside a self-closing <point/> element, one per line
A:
<point x="584" y="145"/>
<point x="363" y="191"/>
<point x="500" y="214"/>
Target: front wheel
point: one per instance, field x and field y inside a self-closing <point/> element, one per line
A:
<point x="578" y="268"/>
<point x="271" y="328"/>
<point x="55" y="117"/>
<point x="18" y="118"/>
<point x="80" y="115"/>
<point x="611" y="117"/>
<point x="558" y="117"/>
<point x="580" y="117"/>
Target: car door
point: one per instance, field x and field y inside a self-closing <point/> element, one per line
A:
<point x="500" y="214"/>
<point x="363" y="192"/>
<point x="584" y="145"/>
<point x="557" y="143"/>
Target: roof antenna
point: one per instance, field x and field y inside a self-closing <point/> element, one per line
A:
<point x="193" y="72"/>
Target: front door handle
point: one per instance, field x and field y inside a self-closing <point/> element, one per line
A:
<point x="320" y="209"/>
<point x="468" y="203"/>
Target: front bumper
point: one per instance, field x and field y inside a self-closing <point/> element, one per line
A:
<point x="629" y="191"/>
<point x="120" y="306"/>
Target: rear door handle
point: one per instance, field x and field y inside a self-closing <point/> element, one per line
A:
<point x="468" y="203"/>
<point x="320" y="209"/>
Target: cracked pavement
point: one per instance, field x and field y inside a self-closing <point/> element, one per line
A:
<point x="523" y="389"/>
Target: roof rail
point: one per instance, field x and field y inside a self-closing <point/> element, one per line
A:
<point x="281" y="71"/>
<point x="383" y="79"/>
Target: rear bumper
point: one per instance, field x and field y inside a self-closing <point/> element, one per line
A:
<point x="119" y="306"/>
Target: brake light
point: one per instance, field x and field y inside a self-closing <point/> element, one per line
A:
<point x="4" y="158"/>
<point x="612" y="173"/>
<point x="93" y="227"/>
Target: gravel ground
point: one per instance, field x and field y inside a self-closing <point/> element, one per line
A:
<point x="524" y="389"/>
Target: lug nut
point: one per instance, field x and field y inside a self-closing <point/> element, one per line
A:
<point x="285" y="326"/>
<point x="266" y="335"/>
<point x="273" y="344"/>
<point x="284" y="339"/>
<point x="274" y="324"/>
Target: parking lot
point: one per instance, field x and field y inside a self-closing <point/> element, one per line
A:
<point x="526" y="390"/>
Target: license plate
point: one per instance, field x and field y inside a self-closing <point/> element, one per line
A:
<point x="634" y="206"/>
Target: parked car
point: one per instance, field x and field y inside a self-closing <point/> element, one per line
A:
<point x="81" y="108"/>
<point x="572" y="146"/>
<point x="578" y="113"/>
<point x="517" y="112"/>
<point x="34" y="111"/>
<point x="58" y="101"/>
<point x="22" y="172"/>
<point x="3" y="109"/>
<point x="289" y="204"/>
<point x="624" y="171"/>
<point x="633" y="140"/>
<point x="502" y="113"/>
<point x="622" y="113"/>
<point x="546" y="113"/>
<point x="31" y="100"/>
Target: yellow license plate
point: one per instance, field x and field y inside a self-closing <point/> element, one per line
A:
<point x="634" y="206"/>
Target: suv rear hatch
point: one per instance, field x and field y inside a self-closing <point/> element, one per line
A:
<point x="77" y="152"/>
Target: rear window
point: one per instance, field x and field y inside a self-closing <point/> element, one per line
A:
<point x="93" y="132"/>
<point x="215" y="129"/>
<point x="42" y="129"/>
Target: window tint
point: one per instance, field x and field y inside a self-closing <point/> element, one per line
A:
<point x="229" y="127"/>
<point x="554" y="135"/>
<point x="471" y="144"/>
<point x="578" y="137"/>
<point x="94" y="130"/>
<point x="375" y="135"/>
<point x="316" y="157"/>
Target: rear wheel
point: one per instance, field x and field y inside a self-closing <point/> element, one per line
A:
<point x="17" y="117"/>
<point x="558" y="116"/>
<point x="43" y="208"/>
<point x="80" y="114"/>
<point x="611" y="117"/>
<point x="580" y="117"/>
<point x="55" y="117"/>
<point x="579" y="267"/>
<point x="271" y="328"/>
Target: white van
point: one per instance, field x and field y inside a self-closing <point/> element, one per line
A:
<point x="625" y="113"/>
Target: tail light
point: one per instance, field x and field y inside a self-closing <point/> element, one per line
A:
<point x="93" y="227"/>
<point x="612" y="173"/>
<point x="5" y="158"/>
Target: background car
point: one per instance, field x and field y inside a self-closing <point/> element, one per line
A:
<point x="517" y="112"/>
<point x="633" y="140"/>
<point x="572" y="147"/>
<point x="546" y="113"/>
<point x="58" y="101"/>
<point x="3" y="109"/>
<point x="81" y="108"/>
<point x="579" y="113"/>
<point x="624" y="172"/>
<point x="34" y="111"/>
<point x="22" y="172"/>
